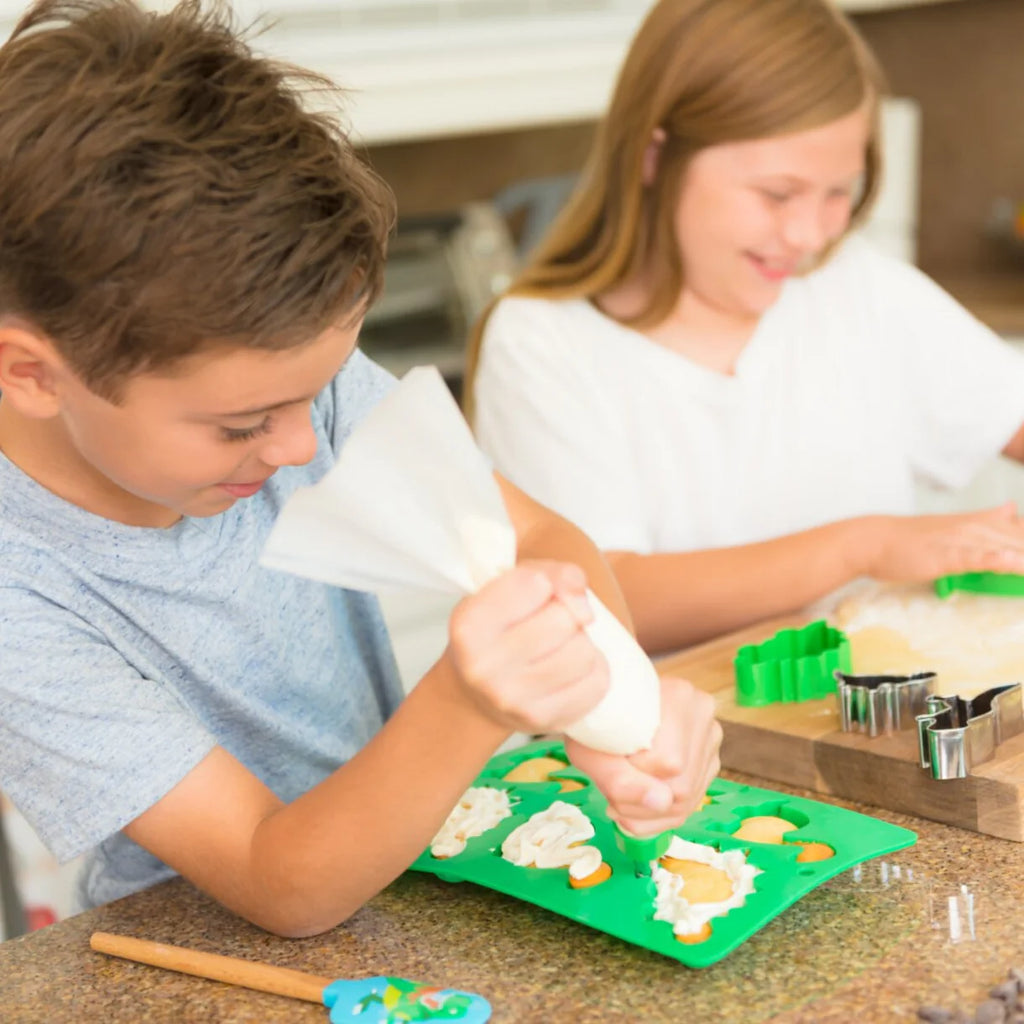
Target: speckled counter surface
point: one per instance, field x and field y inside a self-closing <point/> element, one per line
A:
<point x="867" y="946"/>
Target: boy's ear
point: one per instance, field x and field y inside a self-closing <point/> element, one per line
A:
<point x="652" y="155"/>
<point x="29" y="368"/>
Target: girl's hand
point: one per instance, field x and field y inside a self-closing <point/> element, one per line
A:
<point x="913" y="549"/>
<point x="660" y="788"/>
<point x="520" y="652"/>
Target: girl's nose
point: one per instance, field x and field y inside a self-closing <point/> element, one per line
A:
<point x="807" y="227"/>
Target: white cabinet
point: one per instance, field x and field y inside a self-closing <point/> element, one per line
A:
<point x="427" y="68"/>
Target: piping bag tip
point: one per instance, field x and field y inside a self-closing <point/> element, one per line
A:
<point x="642" y="850"/>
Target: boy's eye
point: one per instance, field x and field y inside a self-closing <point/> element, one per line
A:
<point x="775" y="197"/>
<point x="246" y="433"/>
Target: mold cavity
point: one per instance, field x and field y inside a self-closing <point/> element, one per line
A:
<point x="768" y="822"/>
<point x="810" y="852"/>
<point x="692" y="939"/>
<point x="568" y="785"/>
<point x="535" y="769"/>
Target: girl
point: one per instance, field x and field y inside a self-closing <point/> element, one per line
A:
<point x="704" y="369"/>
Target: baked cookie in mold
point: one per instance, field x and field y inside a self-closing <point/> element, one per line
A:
<point x="774" y="823"/>
<point x="544" y="769"/>
<point x="696" y="883"/>
<point x="558" y="837"/>
<point x="479" y="809"/>
<point x="542" y="763"/>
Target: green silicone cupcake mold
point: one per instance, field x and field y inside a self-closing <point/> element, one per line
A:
<point x="1006" y="584"/>
<point x="794" y="665"/>
<point x="623" y="905"/>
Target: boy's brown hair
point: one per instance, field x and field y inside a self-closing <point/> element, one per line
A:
<point x="162" y="188"/>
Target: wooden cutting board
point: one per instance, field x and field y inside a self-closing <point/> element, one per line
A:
<point x="802" y="744"/>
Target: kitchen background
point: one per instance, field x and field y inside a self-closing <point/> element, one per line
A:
<point x="479" y="113"/>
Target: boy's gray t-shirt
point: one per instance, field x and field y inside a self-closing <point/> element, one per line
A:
<point x="127" y="654"/>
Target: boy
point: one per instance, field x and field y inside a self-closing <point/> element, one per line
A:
<point x="185" y="259"/>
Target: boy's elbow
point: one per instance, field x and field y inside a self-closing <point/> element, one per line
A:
<point x="299" y="928"/>
<point x="297" y="919"/>
<point x="287" y="901"/>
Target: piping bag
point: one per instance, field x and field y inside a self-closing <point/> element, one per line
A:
<point x="412" y="503"/>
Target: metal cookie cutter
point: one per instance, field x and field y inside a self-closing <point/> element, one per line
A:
<point x="880" y="704"/>
<point x="955" y="733"/>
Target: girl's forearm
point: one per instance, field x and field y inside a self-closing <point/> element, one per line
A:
<point x="678" y="599"/>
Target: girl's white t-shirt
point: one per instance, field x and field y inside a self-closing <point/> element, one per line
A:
<point x="863" y="377"/>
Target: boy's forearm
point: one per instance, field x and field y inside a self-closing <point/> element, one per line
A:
<point x="678" y="599"/>
<point x="320" y="858"/>
<point x="301" y="868"/>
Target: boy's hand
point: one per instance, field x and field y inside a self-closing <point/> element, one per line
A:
<point x="920" y="548"/>
<point x="658" y="789"/>
<point x="520" y="652"/>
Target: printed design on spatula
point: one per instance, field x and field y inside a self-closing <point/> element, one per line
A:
<point x="385" y="1000"/>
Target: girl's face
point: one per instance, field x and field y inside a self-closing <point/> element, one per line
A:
<point x="753" y="213"/>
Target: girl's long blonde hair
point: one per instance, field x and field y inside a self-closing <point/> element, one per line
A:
<point x="704" y="72"/>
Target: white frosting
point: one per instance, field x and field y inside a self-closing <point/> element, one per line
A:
<point x="671" y="904"/>
<point x="552" y="839"/>
<point x="480" y="808"/>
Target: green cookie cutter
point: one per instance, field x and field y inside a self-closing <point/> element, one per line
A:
<point x="623" y="905"/>
<point x="1006" y="584"/>
<point x="794" y="665"/>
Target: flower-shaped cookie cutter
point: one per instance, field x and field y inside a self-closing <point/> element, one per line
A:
<point x="794" y="665"/>
<point x="878" y="704"/>
<point x="955" y="733"/>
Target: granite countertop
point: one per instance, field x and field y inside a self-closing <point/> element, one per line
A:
<point x="870" y="945"/>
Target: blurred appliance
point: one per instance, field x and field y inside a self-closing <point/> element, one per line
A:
<point x="441" y="273"/>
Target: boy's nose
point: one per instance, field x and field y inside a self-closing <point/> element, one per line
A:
<point x="294" y="444"/>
